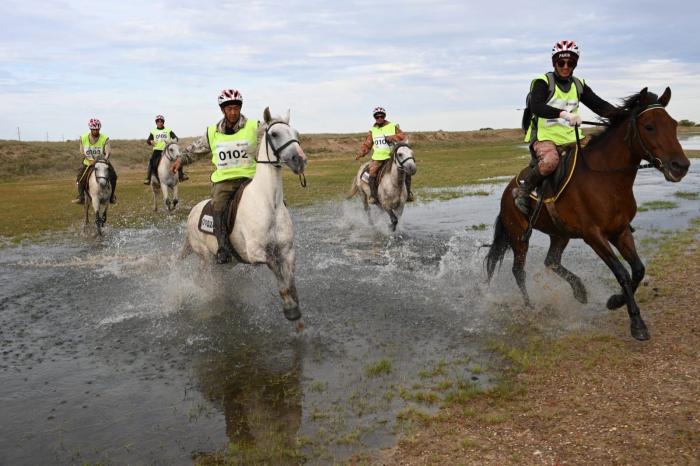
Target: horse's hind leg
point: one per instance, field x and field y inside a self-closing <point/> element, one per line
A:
<point x="557" y="245"/>
<point x="625" y="244"/>
<point x="519" y="256"/>
<point x="281" y="262"/>
<point x="601" y="246"/>
<point x="394" y="219"/>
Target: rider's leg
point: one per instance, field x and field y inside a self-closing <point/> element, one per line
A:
<point x="181" y="174"/>
<point x="220" y="195"/>
<point x="374" y="166"/>
<point x="80" y="199"/>
<point x="155" y="155"/>
<point x="408" y="188"/>
<point x="530" y="177"/>
<point x="113" y="182"/>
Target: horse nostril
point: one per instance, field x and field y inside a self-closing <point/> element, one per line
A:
<point x="679" y="166"/>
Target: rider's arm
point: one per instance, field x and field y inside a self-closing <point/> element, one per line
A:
<point x="398" y="135"/>
<point x="82" y="150"/>
<point x="149" y="141"/>
<point x="538" y="101"/>
<point x="591" y="100"/>
<point x="173" y="137"/>
<point x="196" y="150"/>
<point x="108" y="149"/>
<point x="366" y="146"/>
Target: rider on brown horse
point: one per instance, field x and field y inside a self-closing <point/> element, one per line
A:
<point x="380" y="135"/>
<point x="554" y="103"/>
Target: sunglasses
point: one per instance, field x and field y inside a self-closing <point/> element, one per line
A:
<point x="563" y="63"/>
<point x="379" y="115"/>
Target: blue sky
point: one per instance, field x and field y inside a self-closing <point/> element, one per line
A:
<point x="443" y="64"/>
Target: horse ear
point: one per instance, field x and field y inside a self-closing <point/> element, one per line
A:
<point x="665" y="97"/>
<point x="286" y="116"/>
<point x="643" y="98"/>
<point x="266" y="115"/>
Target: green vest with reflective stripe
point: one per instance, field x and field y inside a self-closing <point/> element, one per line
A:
<point x="382" y="151"/>
<point x="233" y="154"/>
<point x="556" y="130"/>
<point x="159" y="137"/>
<point x="91" y="151"/>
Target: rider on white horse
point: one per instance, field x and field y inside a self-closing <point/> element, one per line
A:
<point x="230" y="143"/>
<point x="380" y="135"/>
<point x="94" y="145"/>
<point x="157" y="138"/>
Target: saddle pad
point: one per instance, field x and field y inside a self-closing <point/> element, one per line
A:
<point x="382" y="170"/>
<point x="555" y="184"/>
<point x="206" y="218"/>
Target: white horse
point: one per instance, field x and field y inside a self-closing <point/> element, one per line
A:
<point x="392" y="188"/>
<point x="98" y="191"/>
<point x="262" y="233"/>
<point x="166" y="181"/>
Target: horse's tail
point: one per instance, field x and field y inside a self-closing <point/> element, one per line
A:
<point x="498" y="248"/>
<point x="354" y="188"/>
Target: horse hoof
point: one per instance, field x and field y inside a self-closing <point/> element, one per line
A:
<point x="639" y="331"/>
<point x="293" y="313"/>
<point x="581" y="295"/>
<point x="616" y="301"/>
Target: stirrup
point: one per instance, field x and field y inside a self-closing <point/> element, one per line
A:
<point x="184" y="177"/>
<point x="147" y="181"/>
<point x="78" y="200"/>
<point x="223" y="255"/>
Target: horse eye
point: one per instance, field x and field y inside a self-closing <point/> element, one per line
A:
<point x="649" y="127"/>
<point x="273" y="134"/>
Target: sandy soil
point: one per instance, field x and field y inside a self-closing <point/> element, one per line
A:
<point x="589" y="399"/>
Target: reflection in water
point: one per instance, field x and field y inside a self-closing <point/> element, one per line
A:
<point x="255" y="379"/>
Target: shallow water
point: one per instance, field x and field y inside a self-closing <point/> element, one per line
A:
<point x="114" y="351"/>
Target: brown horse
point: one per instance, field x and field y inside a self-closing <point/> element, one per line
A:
<point x="598" y="204"/>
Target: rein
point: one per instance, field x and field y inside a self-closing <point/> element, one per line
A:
<point x="400" y="163"/>
<point x="632" y="135"/>
<point x="277" y="150"/>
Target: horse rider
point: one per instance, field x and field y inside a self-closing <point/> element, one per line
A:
<point x="157" y="138"/>
<point x="380" y="135"/>
<point x="94" y="145"/>
<point x="230" y="143"/>
<point x="554" y="117"/>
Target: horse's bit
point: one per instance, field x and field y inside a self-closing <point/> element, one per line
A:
<point x="277" y="150"/>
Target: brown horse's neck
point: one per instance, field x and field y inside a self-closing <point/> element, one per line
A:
<point x="613" y="156"/>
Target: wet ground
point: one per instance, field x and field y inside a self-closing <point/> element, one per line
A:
<point x="116" y="352"/>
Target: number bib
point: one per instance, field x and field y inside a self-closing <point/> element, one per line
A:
<point x="161" y="137"/>
<point x="380" y="142"/>
<point x="232" y="154"/>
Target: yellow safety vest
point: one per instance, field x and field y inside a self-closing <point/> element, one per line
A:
<point x="556" y="130"/>
<point x="382" y="151"/>
<point x="91" y="151"/>
<point x="159" y="137"/>
<point x="233" y="154"/>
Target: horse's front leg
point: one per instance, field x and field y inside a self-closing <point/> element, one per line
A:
<point x="281" y="262"/>
<point x="625" y="244"/>
<point x="553" y="262"/>
<point x="175" y="197"/>
<point x="602" y="247"/>
<point x="394" y="219"/>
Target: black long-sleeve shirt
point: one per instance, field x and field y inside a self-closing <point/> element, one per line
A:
<point x="538" y="99"/>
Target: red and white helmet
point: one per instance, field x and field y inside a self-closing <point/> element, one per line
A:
<point x="378" y="110"/>
<point x="230" y="96"/>
<point x="565" y="48"/>
<point x="94" y="123"/>
<point x="160" y="117"/>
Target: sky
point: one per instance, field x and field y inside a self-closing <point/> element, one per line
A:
<point x="441" y="64"/>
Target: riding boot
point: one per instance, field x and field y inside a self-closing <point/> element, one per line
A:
<point x="223" y="254"/>
<point x="410" y="197"/>
<point x="113" y="182"/>
<point x="373" y="190"/>
<point x="148" y="175"/>
<point x="80" y="199"/>
<point x="527" y="180"/>
<point x="181" y="175"/>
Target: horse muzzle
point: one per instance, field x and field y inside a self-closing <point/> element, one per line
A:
<point x="676" y="169"/>
<point x="297" y="162"/>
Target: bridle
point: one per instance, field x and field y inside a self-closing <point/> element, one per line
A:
<point x="398" y="162"/>
<point x="167" y="152"/>
<point x="276" y="151"/>
<point x="631" y="137"/>
<point x="95" y="172"/>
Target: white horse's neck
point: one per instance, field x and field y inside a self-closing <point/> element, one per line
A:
<point x="267" y="182"/>
<point x="397" y="175"/>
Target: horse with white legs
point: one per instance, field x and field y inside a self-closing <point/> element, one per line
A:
<point x="166" y="181"/>
<point x="262" y="232"/>
<point x="392" y="187"/>
<point x="98" y="191"/>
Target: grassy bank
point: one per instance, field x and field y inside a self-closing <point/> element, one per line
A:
<point x="597" y="397"/>
<point x="35" y="195"/>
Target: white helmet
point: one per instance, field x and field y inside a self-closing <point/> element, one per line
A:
<point x="378" y="110"/>
<point x="564" y="47"/>
<point x="230" y="96"/>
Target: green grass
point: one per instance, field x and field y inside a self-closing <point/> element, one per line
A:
<point x="657" y="205"/>
<point x="376" y="369"/>
<point x="693" y="196"/>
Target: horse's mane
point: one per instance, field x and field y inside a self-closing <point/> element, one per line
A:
<point x="630" y="105"/>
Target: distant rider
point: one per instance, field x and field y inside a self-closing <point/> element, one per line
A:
<point x="231" y="145"/>
<point x="552" y="126"/>
<point x="380" y="135"/>
<point x="157" y="138"/>
<point x="94" y="145"/>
